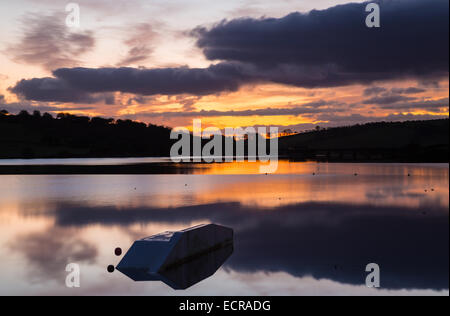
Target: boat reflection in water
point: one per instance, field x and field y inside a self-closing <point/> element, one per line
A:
<point x="310" y="229"/>
<point x="179" y="259"/>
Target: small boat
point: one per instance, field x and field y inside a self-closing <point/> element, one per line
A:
<point x="180" y="259"/>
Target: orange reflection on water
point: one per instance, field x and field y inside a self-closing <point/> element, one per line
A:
<point x="377" y="184"/>
<point x="49" y="221"/>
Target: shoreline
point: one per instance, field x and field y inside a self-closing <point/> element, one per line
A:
<point x="156" y="168"/>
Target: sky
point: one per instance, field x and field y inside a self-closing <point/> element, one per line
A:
<point x="294" y="64"/>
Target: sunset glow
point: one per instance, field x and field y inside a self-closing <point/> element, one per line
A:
<point x="159" y="36"/>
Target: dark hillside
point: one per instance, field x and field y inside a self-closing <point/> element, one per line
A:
<point x="424" y="141"/>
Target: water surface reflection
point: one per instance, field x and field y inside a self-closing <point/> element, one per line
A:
<point x="295" y="233"/>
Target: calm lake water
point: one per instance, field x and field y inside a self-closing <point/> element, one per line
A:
<point x="295" y="233"/>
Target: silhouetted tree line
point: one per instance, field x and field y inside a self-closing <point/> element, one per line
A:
<point x="33" y="135"/>
<point x="39" y="135"/>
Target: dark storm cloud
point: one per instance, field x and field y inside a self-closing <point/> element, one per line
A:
<point x="336" y="44"/>
<point x="383" y="96"/>
<point x="259" y="112"/>
<point x="374" y="90"/>
<point x="388" y="99"/>
<point x="55" y="90"/>
<point x="324" y="48"/>
<point x="170" y="81"/>
<point x="50" y="90"/>
<point x="307" y="108"/>
<point x="432" y="105"/>
<point x="47" y="42"/>
<point x="410" y="90"/>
